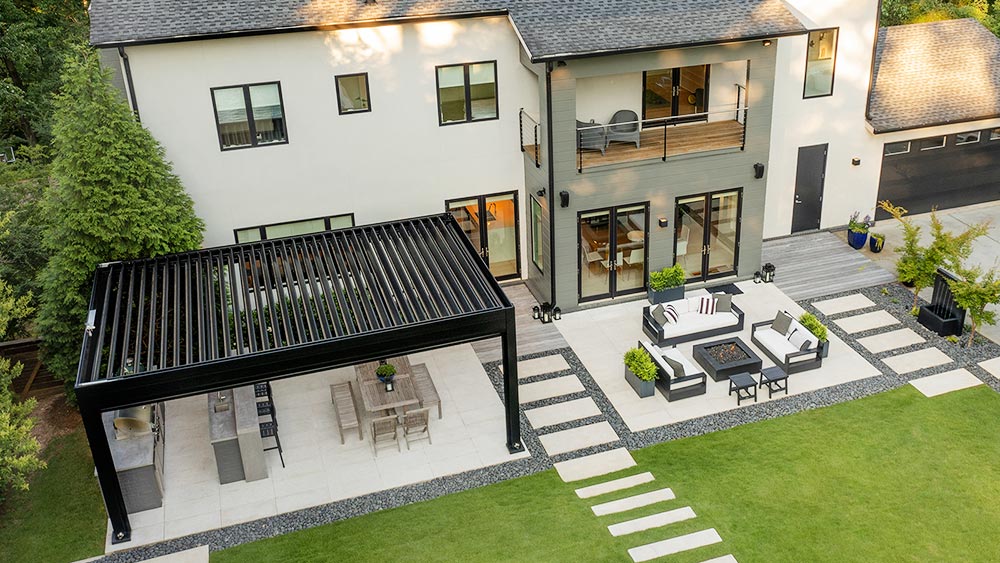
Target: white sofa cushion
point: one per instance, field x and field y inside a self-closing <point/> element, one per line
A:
<point x="695" y="322"/>
<point x="803" y="334"/>
<point x="689" y="367"/>
<point x="775" y="342"/>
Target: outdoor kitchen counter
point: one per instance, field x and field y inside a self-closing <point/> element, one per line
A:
<point x="235" y="436"/>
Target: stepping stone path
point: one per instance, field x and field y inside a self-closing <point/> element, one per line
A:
<point x="915" y="361"/>
<point x="549" y="388"/>
<point x="675" y="545"/>
<point x="578" y="438"/>
<point x="616" y="485"/>
<point x="540" y="366"/>
<point x="594" y="465"/>
<point x="891" y="340"/>
<point x="867" y="321"/>
<point x="562" y="412"/>
<point x="992" y="366"/>
<point x="649" y="522"/>
<point x="844" y="304"/>
<point x="637" y="501"/>
<point x="934" y="385"/>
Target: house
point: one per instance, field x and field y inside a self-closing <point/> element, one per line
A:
<point x="579" y="144"/>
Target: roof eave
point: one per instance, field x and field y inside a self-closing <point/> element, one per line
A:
<point x="882" y="131"/>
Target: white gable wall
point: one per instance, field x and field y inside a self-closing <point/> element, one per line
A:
<point x="393" y="162"/>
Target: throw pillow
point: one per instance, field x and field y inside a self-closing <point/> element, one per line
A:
<point x="671" y="314"/>
<point x="723" y="302"/>
<point x="782" y="322"/>
<point x="798" y="338"/>
<point x="658" y="315"/>
<point x="675" y="366"/>
<point x="707" y="305"/>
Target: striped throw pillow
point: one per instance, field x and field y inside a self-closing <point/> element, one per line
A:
<point x="707" y="305"/>
<point x="671" y="314"/>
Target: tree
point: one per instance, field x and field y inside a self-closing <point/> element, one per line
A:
<point x="973" y="293"/>
<point x="918" y="264"/>
<point x="35" y="36"/>
<point x="899" y="12"/>
<point x="113" y="197"/>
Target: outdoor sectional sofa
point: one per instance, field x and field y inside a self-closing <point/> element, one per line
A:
<point x="692" y="325"/>
<point x="787" y="350"/>
<point x="693" y="382"/>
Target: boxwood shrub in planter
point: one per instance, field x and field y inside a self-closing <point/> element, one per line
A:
<point x="666" y="285"/>
<point x="640" y="372"/>
<point x="818" y="329"/>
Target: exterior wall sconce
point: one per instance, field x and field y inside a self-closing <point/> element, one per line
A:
<point x="564" y="199"/>
<point x="758" y="170"/>
<point x="540" y="193"/>
<point x="664" y="222"/>
<point x="856" y="161"/>
<point x="766" y="42"/>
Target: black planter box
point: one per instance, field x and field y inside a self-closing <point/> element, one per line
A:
<point x="665" y="295"/>
<point x="943" y="323"/>
<point x="642" y="388"/>
<point x="721" y="372"/>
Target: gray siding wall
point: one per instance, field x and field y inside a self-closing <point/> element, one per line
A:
<point x="537" y="178"/>
<point x="655" y="181"/>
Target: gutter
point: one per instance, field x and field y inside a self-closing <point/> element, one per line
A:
<point x="128" y="81"/>
<point x="877" y="131"/>
<point x="552" y="183"/>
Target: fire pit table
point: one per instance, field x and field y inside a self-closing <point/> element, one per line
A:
<point x="724" y="358"/>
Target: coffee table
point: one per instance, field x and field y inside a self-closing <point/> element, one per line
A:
<point x="746" y="362"/>
<point x="745" y="386"/>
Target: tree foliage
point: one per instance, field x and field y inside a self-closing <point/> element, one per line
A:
<point x="22" y="257"/>
<point x="113" y="197"/>
<point x="35" y="36"/>
<point x="900" y="12"/>
<point x="973" y="293"/>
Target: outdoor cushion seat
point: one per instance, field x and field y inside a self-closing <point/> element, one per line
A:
<point x="693" y="382"/>
<point x="624" y="127"/>
<point x="691" y="324"/>
<point x="591" y="136"/>
<point x="782" y="350"/>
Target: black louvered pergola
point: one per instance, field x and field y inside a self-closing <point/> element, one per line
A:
<point x="196" y="322"/>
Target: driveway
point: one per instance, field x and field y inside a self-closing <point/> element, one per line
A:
<point x="985" y="251"/>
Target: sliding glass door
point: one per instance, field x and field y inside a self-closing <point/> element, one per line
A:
<point x="491" y="223"/>
<point x="675" y="92"/>
<point x="707" y="234"/>
<point x="612" y="251"/>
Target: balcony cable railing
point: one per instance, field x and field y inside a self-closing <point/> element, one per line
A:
<point x="595" y="137"/>
<point x="529" y="125"/>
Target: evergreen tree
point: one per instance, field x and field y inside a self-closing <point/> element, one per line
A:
<point x="113" y="197"/>
<point x="974" y="292"/>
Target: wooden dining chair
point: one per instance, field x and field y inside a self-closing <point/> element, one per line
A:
<point x="385" y="430"/>
<point x="416" y="423"/>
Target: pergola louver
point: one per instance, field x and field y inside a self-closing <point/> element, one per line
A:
<point x="212" y="319"/>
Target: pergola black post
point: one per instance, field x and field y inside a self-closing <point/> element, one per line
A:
<point x="107" y="476"/>
<point x="511" y="403"/>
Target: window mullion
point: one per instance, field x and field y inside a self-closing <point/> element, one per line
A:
<point x="250" y="120"/>
<point x="468" y="93"/>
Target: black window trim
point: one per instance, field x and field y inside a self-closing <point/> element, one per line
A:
<point x="468" y="93"/>
<point x="263" y="231"/>
<point x="978" y="134"/>
<point x="368" y="93"/>
<point x="248" y="106"/>
<point x="994" y="134"/>
<point x="909" y="147"/>
<point x="833" y="72"/>
<point x="924" y="147"/>
<point x="531" y="236"/>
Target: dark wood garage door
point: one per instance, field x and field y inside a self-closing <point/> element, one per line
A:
<point x="941" y="172"/>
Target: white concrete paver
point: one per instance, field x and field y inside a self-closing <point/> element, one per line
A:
<point x="594" y="465"/>
<point x="992" y="366"/>
<point x="914" y="361"/>
<point x="195" y="555"/>
<point x="637" y="501"/>
<point x="675" y="545"/>
<point x="562" y="412"/>
<point x="890" y="340"/>
<point x="578" y="438"/>
<point x="843" y="304"/>
<point x="616" y="485"/>
<point x="539" y="366"/>
<point x="653" y="521"/>
<point x="549" y="388"/>
<point x="867" y="321"/>
<point x="942" y="383"/>
<point x="723" y="559"/>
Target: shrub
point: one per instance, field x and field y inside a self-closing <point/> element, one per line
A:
<point x="667" y="277"/>
<point x="385" y="370"/>
<point x="856" y="226"/>
<point x="639" y="362"/>
<point x="813" y="325"/>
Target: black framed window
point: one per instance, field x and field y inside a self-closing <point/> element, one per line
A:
<point x="353" y="95"/>
<point x="821" y="62"/>
<point x="294" y="228"/>
<point x="249" y="115"/>
<point x="933" y="143"/>
<point x="901" y="147"/>
<point x="537" y="216"/>
<point x="968" y="138"/>
<point x="467" y="92"/>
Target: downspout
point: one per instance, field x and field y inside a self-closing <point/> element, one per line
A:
<point x="871" y="80"/>
<point x="128" y="81"/>
<point x="552" y="183"/>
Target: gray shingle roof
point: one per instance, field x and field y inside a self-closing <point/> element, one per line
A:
<point x="549" y="28"/>
<point x="934" y="73"/>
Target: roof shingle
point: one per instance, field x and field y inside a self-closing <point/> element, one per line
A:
<point x="549" y="28"/>
<point x="933" y="74"/>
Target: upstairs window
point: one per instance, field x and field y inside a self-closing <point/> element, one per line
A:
<point x="352" y="93"/>
<point x="821" y="57"/>
<point x="933" y="143"/>
<point x="249" y="115"/>
<point x="294" y="228"/>
<point x="467" y="92"/>
<point x="968" y="138"/>
<point x="901" y="147"/>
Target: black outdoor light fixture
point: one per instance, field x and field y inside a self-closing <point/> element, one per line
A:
<point x="766" y="42"/>
<point x="564" y="199"/>
<point x="535" y="312"/>
<point x="540" y="193"/>
<point x="856" y="161"/>
<point x="548" y="313"/>
<point x="664" y="222"/>
<point x="767" y="273"/>
<point x="758" y="170"/>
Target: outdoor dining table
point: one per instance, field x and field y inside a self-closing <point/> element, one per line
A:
<point x="373" y="394"/>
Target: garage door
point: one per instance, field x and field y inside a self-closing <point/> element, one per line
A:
<point x="941" y="172"/>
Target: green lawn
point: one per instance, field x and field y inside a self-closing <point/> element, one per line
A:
<point x="61" y="518"/>
<point x="894" y="477"/>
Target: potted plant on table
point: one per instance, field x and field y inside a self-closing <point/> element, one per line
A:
<point x="875" y="242"/>
<point x="640" y="372"/>
<point x="666" y="285"/>
<point x="385" y="372"/>
<point x="857" y="231"/>
<point x="818" y="330"/>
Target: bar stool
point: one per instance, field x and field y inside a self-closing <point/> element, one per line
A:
<point x="269" y="429"/>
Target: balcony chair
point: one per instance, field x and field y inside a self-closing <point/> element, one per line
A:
<point x="593" y="138"/>
<point x="624" y="127"/>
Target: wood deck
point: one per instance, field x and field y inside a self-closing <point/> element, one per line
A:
<point x="532" y="335"/>
<point x="681" y="139"/>
<point x="820" y="264"/>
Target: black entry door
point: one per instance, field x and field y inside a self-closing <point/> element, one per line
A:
<point x="809" y="179"/>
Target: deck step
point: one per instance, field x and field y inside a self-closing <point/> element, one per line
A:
<point x="616" y="485"/>
<point x="595" y="465"/>
<point x="637" y="501"/>
<point x="653" y="521"/>
<point x="675" y="545"/>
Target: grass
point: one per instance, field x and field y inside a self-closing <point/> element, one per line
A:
<point x="61" y="517"/>
<point x="894" y="477"/>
